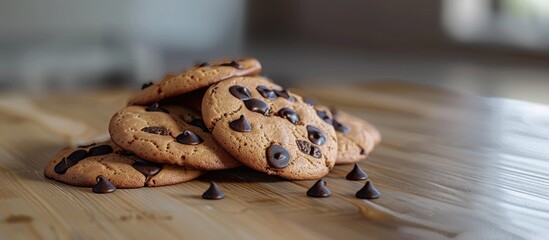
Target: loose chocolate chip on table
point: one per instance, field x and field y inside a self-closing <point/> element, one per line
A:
<point x="233" y="64"/>
<point x="103" y="185"/>
<point x="86" y="146"/>
<point x="147" y="168"/>
<point x="204" y="64"/>
<point x="188" y="138"/>
<point x="289" y="114"/>
<point x="315" y="135"/>
<point x="324" y="116"/>
<point x="284" y="94"/>
<point x="156" y="130"/>
<point x="155" y="107"/>
<point x="356" y="174"/>
<point x="277" y="156"/>
<point x="240" y="92"/>
<point x="309" y="148"/>
<point x="213" y="192"/>
<point x="256" y="105"/>
<point x="368" y="191"/>
<point x="146" y="85"/>
<point x="100" y="150"/>
<point x="241" y="124"/>
<point x="339" y="127"/>
<point x="266" y="92"/>
<point x="199" y="123"/>
<point x="319" y="190"/>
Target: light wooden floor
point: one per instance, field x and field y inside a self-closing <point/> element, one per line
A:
<point x="449" y="166"/>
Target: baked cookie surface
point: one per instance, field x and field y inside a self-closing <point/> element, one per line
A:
<point x="200" y="76"/>
<point x="356" y="137"/>
<point x="169" y="134"/>
<point x="269" y="129"/>
<point x="82" y="165"/>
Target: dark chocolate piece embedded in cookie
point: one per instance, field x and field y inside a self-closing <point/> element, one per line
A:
<point x="289" y="114"/>
<point x="241" y="124"/>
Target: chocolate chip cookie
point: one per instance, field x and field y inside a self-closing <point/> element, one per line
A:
<point x="200" y="76"/>
<point x="168" y="134"/>
<point x="82" y="165"/>
<point x="356" y="138"/>
<point x="269" y="129"/>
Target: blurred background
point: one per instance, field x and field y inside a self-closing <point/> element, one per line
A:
<point x="486" y="47"/>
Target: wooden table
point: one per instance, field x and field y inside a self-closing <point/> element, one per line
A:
<point x="449" y="166"/>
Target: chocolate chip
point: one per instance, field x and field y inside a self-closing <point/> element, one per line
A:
<point x="100" y="150"/>
<point x="146" y="85"/>
<point x="126" y="153"/>
<point x="147" y="168"/>
<point x="63" y="166"/>
<point x="319" y="190"/>
<point x="362" y="151"/>
<point x="240" y="92"/>
<point x="213" y="192"/>
<point x="256" y="105"/>
<point x="71" y="160"/>
<point x="315" y="135"/>
<point x="103" y="185"/>
<point x="241" y="124"/>
<point x="309" y="148"/>
<point x="188" y="138"/>
<point x="356" y="174"/>
<point x="289" y="114"/>
<point x="334" y="111"/>
<point x="199" y="123"/>
<point x="339" y="127"/>
<point x="232" y="64"/>
<point x="86" y="146"/>
<point x="77" y="155"/>
<point x="266" y="92"/>
<point x="315" y="152"/>
<point x="277" y="156"/>
<point x="284" y="94"/>
<point x="309" y="101"/>
<point x="156" y="130"/>
<point x="204" y="64"/>
<point x="368" y="191"/>
<point x="324" y="116"/>
<point x="155" y="107"/>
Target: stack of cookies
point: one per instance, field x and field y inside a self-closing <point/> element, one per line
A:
<point x="214" y="116"/>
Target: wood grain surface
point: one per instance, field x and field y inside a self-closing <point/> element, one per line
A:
<point x="450" y="166"/>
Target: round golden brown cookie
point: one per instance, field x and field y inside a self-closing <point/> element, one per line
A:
<point x="80" y="167"/>
<point x="356" y="138"/>
<point x="200" y="76"/>
<point x="269" y="129"/>
<point x="168" y="134"/>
